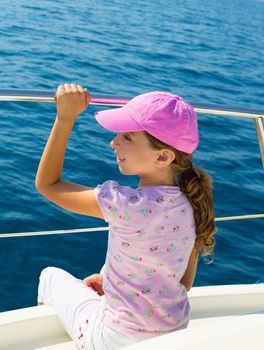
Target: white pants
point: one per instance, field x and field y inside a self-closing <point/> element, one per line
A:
<point x="78" y="308"/>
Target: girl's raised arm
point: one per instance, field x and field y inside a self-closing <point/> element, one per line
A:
<point x="71" y="100"/>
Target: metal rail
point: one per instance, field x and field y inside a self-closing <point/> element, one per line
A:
<point x="16" y="95"/>
<point x="106" y="228"/>
<point x="108" y="100"/>
<point x="259" y="124"/>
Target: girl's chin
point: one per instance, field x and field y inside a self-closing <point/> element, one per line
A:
<point x="126" y="171"/>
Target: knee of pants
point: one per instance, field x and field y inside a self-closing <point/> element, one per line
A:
<point x="45" y="281"/>
<point x="48" y="272"/>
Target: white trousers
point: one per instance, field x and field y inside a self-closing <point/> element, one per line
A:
<point x="78" y="308"/>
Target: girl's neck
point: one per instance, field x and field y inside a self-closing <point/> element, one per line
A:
<point x="157" y="181"/>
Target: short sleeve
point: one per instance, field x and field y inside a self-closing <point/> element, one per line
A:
<point x="107" y="196"/>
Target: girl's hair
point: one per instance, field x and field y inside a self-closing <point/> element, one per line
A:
<point x="197" y="186"/>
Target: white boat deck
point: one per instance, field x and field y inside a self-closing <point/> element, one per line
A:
<point x="222" y="317"/>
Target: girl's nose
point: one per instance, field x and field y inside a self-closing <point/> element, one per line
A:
<point x="114" y="143"/>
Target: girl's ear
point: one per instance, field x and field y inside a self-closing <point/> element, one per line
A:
<point x="165" y="157"/>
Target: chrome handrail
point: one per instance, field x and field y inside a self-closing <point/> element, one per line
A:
<point x="106" y="228"/>
<point x="259" y="124"/>
<point x="108" y="100"/>
<point x="17" y="95"/>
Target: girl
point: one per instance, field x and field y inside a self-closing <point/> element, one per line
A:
<point x="155" y="231"/>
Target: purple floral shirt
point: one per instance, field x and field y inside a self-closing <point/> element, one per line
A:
<point x="151" y="236"/>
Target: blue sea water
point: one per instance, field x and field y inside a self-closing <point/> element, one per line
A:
<point x="207" y="52"/>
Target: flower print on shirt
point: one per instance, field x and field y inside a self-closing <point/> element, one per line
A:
<point x="176" y="228"/>
<point x="136" y="258"/>
<point x="145" y="212"/>
<point x="131" y="276"/>
<point x="171" y="248"/>
<point x="159" y="199"/>
<point x="166" y="317"/>
<point x="133" y="199"/>
<point x="132" y="296"/>
<point x="181" y="260"/>
<point x="184" y="240"/>
<point x="164" y="291"/>
<point x="129" y="313"/>
<point x="161" y="263"/>
<point x="106" y="194"/>
<point x="166" y="215"/>
<point x="125" y="245"/>
<point x="140" y="233"/>
<point x="140" y="190"/>
<point x="173" y="199"/>
<point x="121" y="284"/>
<point x="118" y="258"/>
<point x="150" y="271"/>
<point x="148" y="312"/>
<point x="145" y="290"/>
<point x="181" y="305"/>
<point x="125" y="216"/>
<point x="184" y="211"/>
<point x="116" y="188"/>
<point x="159" y="229"/>
<point x="113" y="212"/>
<point x="146" y="261"/>
<point x="154" y="248"/>
<point x="115" y="322"/>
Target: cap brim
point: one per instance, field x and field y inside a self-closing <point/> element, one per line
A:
<point x="117" y="120"/>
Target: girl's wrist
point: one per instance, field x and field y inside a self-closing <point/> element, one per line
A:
<point x="65" y="120"/>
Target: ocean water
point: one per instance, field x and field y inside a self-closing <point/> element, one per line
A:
<point x="207" y="52"/>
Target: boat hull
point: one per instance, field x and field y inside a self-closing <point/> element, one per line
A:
<point x="221" y="316"/>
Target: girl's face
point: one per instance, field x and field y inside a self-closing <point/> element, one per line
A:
<point x="135" y="156"/>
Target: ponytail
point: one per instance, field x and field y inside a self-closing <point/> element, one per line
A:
<point x="197" y="186"/>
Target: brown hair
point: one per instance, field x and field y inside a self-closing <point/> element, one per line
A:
<point x="197" y="186"/>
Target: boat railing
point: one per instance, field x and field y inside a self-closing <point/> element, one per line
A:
<point x="257" y="115"/>
<point x="106" y="228"/>
<point x="108" y="100"/>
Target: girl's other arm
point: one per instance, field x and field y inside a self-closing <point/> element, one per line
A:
<point x="189" y="275"/>
<point x="71" y="101"/>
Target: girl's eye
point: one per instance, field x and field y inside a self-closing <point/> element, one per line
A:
<point x="126" y="137"/>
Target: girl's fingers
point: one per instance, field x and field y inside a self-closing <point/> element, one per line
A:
<point x="74" y="88"/>
<point x="67" y="88"/>
<point x="80" y="88"/>
<point x="95" y="282"/>
<point x="95" y="278"/>
<point x="88" y="97"/>
<point x="59" y="90"/>
<point x="87" y="281"/>
<point x="72" y="99"/>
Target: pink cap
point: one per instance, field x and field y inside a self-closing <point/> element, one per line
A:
<point x="165" y="116"/>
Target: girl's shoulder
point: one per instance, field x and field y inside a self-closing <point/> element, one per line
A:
<point x="155" y="193"/>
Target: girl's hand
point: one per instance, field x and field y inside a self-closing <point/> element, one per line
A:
<point x="71" y="100"/>
<point x="95" y="282"/>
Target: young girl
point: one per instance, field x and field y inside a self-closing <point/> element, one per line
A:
<point x="155" y="230"/>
